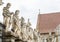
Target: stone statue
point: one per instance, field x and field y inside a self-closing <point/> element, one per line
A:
<point x="20" y="30"/>
<point x="22" y="22"/>
<point x="23" y="29"/>
<point x="35" y="34"/>
<point x="15" y="21"/>
<point x="6" y="12"/>
<point x="30" y="34"/>
<point x="11" y="21"/>
<point x="6" y="15"/>
<point x="28" y="23"/>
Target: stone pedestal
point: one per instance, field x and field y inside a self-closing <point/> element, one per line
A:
<point x="7" y="37"/>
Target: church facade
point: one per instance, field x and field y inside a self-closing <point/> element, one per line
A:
<point x="48" y="25"/>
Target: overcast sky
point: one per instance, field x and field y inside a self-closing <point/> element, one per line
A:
<point x="30" y="8"/>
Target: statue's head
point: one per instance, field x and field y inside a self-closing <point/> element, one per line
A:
<point x="8" y="5"/>
<point x="22" y="18"/>
<point x="17" y="12"/>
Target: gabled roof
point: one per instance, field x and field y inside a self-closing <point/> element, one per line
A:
<point x="48" y="22"/>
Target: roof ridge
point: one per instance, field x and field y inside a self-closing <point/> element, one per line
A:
<point x="49" y="13"/>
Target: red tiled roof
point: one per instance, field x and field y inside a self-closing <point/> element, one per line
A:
<point x="48" y="22"/>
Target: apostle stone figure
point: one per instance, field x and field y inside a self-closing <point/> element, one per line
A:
<point x="35" y="33"/>
<point x="11" y="21"/>
<point x="6" y="15"/>
<point x="22" y="22"/>
<point x="28" y="23"/>
<point x="6" y="12"/>
<point x="15" y="21"/>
